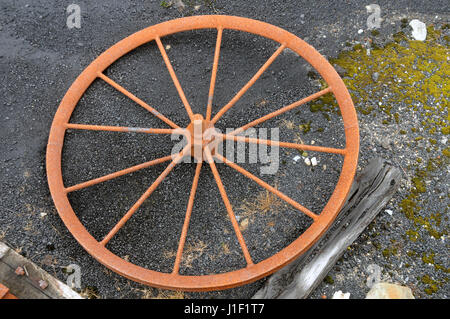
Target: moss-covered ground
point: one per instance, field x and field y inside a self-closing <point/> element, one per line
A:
<point x="401" y="88"/>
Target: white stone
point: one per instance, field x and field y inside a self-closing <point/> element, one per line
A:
<point x="296" y="158"/>
<point x="313" y="161"/>
<point x="419" y="30"/>
<point x="388" y="211"/>
<point x="384" y="290"/>
<point x="307" y="161"/>
<point x="360" y="31"/>
<point x="43" y="214"/>
<point x="340" y="295"/>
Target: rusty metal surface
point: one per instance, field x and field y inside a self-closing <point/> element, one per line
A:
<point x="5" y="294"/>
<point x="253" y="271"/>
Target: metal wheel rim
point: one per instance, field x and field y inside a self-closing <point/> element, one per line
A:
<point x="214" y="281"/>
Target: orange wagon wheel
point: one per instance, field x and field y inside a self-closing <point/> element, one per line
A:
<point x="252" y="271"/>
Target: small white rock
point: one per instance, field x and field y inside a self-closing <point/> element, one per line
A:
<point x="360" y="31"/>
<point x="388" y="211"/>
<point x="419" y="30"/>
<point x="296" y="158"/>
<point x="43" y="214"/>
<point x="340" y="295"/>
<point x="313" y="161"/>
<point x="307" y="161"/>
<point x="168" y="47"/>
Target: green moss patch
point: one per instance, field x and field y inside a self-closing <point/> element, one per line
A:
<point x="407" y="71"/>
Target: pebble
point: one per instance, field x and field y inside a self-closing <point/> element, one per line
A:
<point x="360" y="31"/>
<point x="296" y="158"/>
<point x="384" y="290"/>
<point x="307" y="161"/>
<point x="340" y="295"/>
<point x="388" y="211"/>
<point x="313" y="161"/>
<point x="385" y="144"/>
<point x="244" y="224"/>
<point x="375" y="76"/>
<point x="419" y="30"/>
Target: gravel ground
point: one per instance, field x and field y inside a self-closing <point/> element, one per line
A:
<point x="40" y="57"/>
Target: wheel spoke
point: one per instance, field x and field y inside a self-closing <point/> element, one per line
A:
<point x="144" y="196"/>
<point x="117" y="174"/>
<point x="227" y="203"/>
<point x="248" y="85"/>
<point x="184" y="231"/>
<point x="283" y="110"/>
<point x="174" y="77"/>
<point x="122" y="90"/>
<point x="267" y="186"/>
<point x="214" y="74"/>
<point x="303" y="147"/>
<point x="120" y="129"/>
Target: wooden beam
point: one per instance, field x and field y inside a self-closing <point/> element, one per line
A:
<point x="29" y="285"/>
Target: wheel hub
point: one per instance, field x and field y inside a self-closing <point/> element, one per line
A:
<point x="200" y="134"/>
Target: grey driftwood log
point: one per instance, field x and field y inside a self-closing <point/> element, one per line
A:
<point x="370" y="192"/>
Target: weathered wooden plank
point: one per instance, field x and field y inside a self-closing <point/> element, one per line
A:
<point x="28" y="285"/>
<point x="370" y="192"/>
